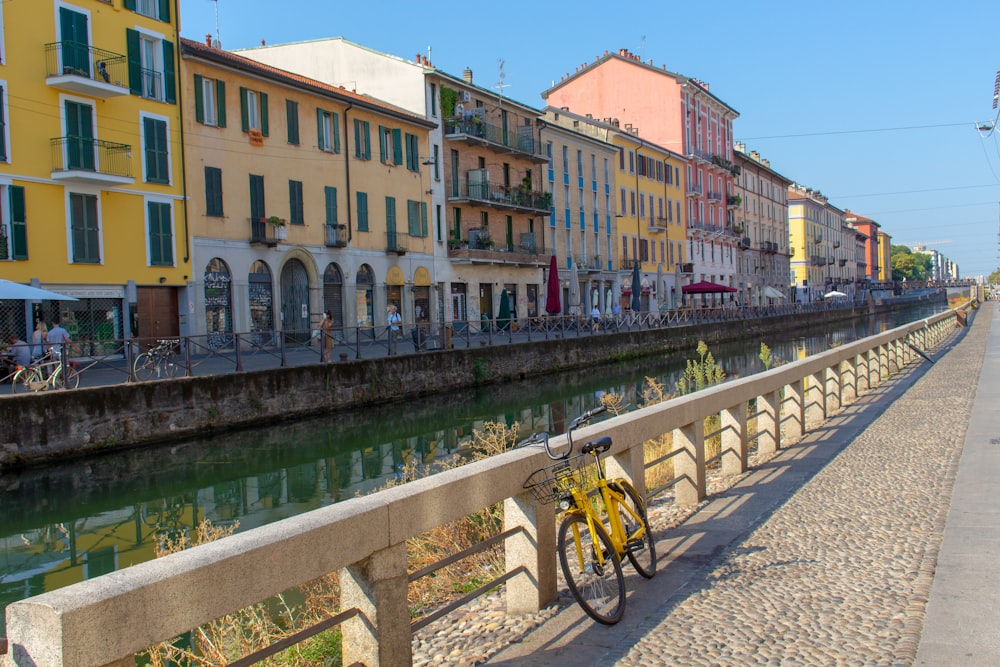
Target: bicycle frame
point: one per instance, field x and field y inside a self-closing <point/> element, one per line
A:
<point x="613" y="502"/>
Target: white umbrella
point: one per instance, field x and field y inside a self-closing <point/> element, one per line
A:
<point x="607" y="304"/>
<point x="772" y="293"/>
<point x="18" y="292"/>
<point x="834" y="295"/>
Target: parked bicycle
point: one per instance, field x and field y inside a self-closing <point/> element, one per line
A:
<point x="46" y="373"/>
<point x="158" y="362"/>
<point x="604" y="522"/>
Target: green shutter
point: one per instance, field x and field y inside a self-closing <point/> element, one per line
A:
<point x="160" y="243"/>
<point x="330" y="194"/>
<point x="397" y="146"/>
<point x="199" y="102"/>
<point x="368" y="141"/>
<point x="357" y="139"/>
<point x="423" y="219"/>
<point x="220" y="102"/>
<point x="18" y="223"/>
<point x="134" y="62"/>
<point x="130" y="4"/>
<point x="362" y="211"/>
<point x="412" y="218"/>
<point x="263" y="113"/>
<point x="213" y="191"/>
<point x="244" y="113"/>
<point x="292" y="113"/>
<point x="165" y="11"/>
<point x="381" y="145"/>
<point x="319" y="131"/>
<point x="169" y="78"/>
<point x="335" y="130"/>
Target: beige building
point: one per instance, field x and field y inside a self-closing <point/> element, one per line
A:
<point x="760" y="205"/>
<point x="303" y="198"/>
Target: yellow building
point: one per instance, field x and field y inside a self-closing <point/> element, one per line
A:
<point x="90" y="170"/>
<point x="885" y="257"/>
<point x="305" y="198"/>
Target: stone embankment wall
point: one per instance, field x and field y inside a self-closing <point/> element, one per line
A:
<point x="42" y="427"/>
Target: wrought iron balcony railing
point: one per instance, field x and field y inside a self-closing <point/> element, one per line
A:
<point x="77" y="66"/>
<point x="85" y="154"/>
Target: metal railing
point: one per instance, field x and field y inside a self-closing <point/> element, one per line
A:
<point x="78" y="59"/>
<point x="91" y="155"/>
<point x="365" y="538"/>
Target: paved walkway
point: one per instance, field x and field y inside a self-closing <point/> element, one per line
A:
<point x="873" y="541"/>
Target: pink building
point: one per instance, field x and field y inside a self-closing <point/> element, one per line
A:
<point x="680" y="114"/>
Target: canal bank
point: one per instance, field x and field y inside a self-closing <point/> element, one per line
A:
<point x="47" y="426"/>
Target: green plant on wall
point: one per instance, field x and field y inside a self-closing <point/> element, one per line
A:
<point x="480" y="371"/>
<point x="449" y="97"/>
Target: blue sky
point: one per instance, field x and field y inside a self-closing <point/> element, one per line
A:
<point x="873" y="103"/>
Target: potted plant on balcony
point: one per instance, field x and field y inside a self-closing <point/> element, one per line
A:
<point x="280" y="230"/>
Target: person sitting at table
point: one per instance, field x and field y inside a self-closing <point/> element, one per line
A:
<point x="19" y="351"/>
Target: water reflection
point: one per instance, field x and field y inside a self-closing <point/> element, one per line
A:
<point x="63" y="524"/>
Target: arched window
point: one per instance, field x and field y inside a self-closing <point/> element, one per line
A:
<point x="218" y="304"/>
<point x="261" y="303"/>
<point x="333" y="295"/>
<point x="363" y="296"/>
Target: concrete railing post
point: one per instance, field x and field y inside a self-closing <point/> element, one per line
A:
<point x="796" y="401"/>
<point x="815" y="396"/>
<point x="534" y="549"/>
<point x="834" y="399"/>
<point x="689" y="466"/>
<point x="883" y="364"/>
<point x="380" y="635"/>
<point x="628" y="464"/>
<point x="734" y="440"/>
<point x="852" y="371"/>
<point x="769" y="422"/>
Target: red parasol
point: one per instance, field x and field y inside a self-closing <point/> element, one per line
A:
<point x="552" y="305"/>
<point x="705" y="287"/>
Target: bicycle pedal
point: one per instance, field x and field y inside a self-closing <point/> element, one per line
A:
<point x="635" y="544"/>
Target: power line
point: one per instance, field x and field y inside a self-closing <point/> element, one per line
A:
<point x="834" y="132"/>
<point x="913" y="192"/>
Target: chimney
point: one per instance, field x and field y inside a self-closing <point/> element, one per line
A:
<point x="467" y="75"/>
<point x="208" y="40"/>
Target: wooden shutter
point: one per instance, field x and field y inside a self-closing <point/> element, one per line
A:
<point x="330" y="194"/>
<point x="335" y="131"/>
<point x="244" y="112"/>
<point x="263" y="113"/>
<point x="199" y="101"/>
<point x="423" y="219"/>
<point x="169" y="77"/>
<point x="397" y="146"/>
<point x="220" y="102"/>
<point x="368" y="141"/>
<point x="165" y="11"/>
<point x="292" y="113"/>
<point x="18" y="223"/>
<point x="323" y="143"/>
<point x="362" y="211"/>
<point x="381" y="145"/>
<point x="134" y="61"/>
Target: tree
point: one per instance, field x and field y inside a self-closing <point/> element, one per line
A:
<point x="994" y="278"/>
<point x="908" y="265"/>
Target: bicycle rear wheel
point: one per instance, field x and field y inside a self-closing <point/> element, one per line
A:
<point x="68" y="380"/>
<point x="639" y="543"/>
<point x="597" y="583"/>
<point x="27" y="379"/>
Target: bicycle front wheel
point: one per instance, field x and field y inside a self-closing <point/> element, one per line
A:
<point x="27" y="379"/>
<point x="170" y="368"/>
<point x="145" y="367"/>
<point x="639" y="543"/>
<point x="592" y="569"/>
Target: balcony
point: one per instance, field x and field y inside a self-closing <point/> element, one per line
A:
<point x="85" y="70"/>
<point x="87" y="160"/>
<point x="733" y="201"/>
<point x="395" y="243"/>
<point x="504" y="197"/>
<point x="336" y="236"/>
<point x="479" y="248"/>
<point x="836" y="244"/>
<point x="626" y="264"/>
<point x="658" y="225"/>
<point x="265" y="232"/>
<point x="701" y="156"/>
<point x="816" y="260"/>
<point x="475" y="131"/>
<point x="695" y="191"/>
<point x="843" y="262"/>
<point x="714" y="196"/>
<point x="588" y="264"/>
<point x="745" y="243"/>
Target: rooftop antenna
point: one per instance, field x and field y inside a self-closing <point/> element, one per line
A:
<point x="642" y="47"/>
<point x="218" y="37"/>
<point x="500" y="83"/>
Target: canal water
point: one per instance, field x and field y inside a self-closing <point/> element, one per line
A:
<point x="65" y="523"/>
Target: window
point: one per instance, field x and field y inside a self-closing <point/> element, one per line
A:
<point x="416" y="218"/>
<point x="18" y="230"/>
<point x="292" y="120"/>
<point x="295" y="203"/>
<point x="362" y="211"/>
<point x="151" y="66"/>
<point x="84" y="230"/>
<point x="156" y="156"/>
<point x="330" y="197"/>
<point x="412" y="152"/>
<point x="155" y="9"/>
<point x="209" y="101"/>
<point x="362" y="140"/>
<point x="4" y="141"/>
<point x="327" y="131"/>
<point x="390" y="145"/>
<point x="161" y="243"/>
<point x="213" y="191"/>
<point x="253" y="111"/>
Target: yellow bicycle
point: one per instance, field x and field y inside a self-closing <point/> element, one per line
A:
<point x="603" y="522"/>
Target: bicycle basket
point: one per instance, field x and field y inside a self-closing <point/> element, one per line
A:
<point x="552" y="482"/>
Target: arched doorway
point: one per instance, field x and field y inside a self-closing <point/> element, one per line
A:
<point x="363" y="297"/>
<point x="261" y="304"/>
<point x="295" y="317"/>
<point x="333" y="295"/>
<point x="218" y="304"/>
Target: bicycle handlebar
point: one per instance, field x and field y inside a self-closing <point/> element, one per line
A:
<point x="543" y="437"/>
